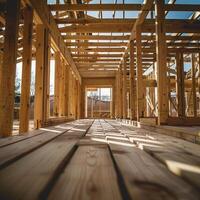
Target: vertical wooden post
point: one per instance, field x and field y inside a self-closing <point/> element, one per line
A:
<point x="83" y="102"/>
<point x="66" y="90"/>
<point x="46" y="83"/>
<point x="116" y="94"/>
<point x="70" y="95"/>
<point x="139" y="85"/>
<point x="78" y="100"/>
<point x="62" y="89"/>
<point x="113" y="101"/>
<point x="26" y="70"/>
<point x="120" y="92"/>
<point x="132" y="81"/>
<point x="199" y="73"/>
<point x="194" y="95"/>
<point x="161" y="54"/>
<point x="180" y="88"/>
<point x="75" y="97"/>
<point x="38" y="103"/>
<point x="41" y="104"/>
<point x="124" y="89"/>
<point x="8" y="68"/>
<point x="57" y="83"/>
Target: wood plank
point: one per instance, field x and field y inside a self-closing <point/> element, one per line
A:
<point x="86" y="44"/>
<point x="163" y="102"/>
<point x="94" y="7"/>
<point x="56" y="85"/>
<point x="120" y="92"/>
<point x="94" y="21"/>
<point x="13" y="139"/>
<point x="13" y="152"/>
<point x="194" y="95"/>
<point x="62" y="89"/>
<point x="145" y="176"/>
<point x="95" y="37"/>
<point x="184" y="165"/>
<point x="8" y="68"/>
<point x="132" y="82"/>
<point x="139" y="81"/>
<point x="181" y="7"/>
<point x="46" y="76"/>
<point x="90" y="174"/>
<point x="66" y="88"/>
<point x="26" y="71"/>
<point x="39" y="77"/>
<point x="180" y="87"/>
<point x="43" y="167"/>
<point x="124" y="89"/>
<point x="181" y="157"/>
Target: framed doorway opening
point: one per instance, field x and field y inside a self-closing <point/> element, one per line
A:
<point x="98" y="103"/>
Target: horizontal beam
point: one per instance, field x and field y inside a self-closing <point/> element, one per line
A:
<point x="95" y="37"/>
<point x="96" y="63"/>
<point x="101" y="74"/>
<point x="85" y="44"/>
<point x="94" y="7"/>
<point x="123" y="44"/>
<point x="172" y="26"/>
<point x="126" y="37"/>
<point x="94" y="21"/>
<point x="96" y="55"/>
<point x="182" y="7"/>
<point x="97" y="28"/>
<point x="119" y="7"/>
<point x="97" y="49"/>
<point x="107" y="55"/>
<point x="95" y="59"/>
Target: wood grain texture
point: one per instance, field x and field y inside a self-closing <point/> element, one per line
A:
<point x="37" y="168"/>
<point x="89" y="175"/>
<point x="144" y="175"/>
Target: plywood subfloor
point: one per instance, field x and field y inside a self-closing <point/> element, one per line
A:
<point x="98" y="159"/>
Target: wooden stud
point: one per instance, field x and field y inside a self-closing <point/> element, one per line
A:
<point x="62" y="89"/>
<point x="139" y="82"/>
<point x="41" y="108"/>
<point x="121" y="92"/>
<point x="113" y="101"/>
<point x="26" y="71"/>
<point x="161" y="54"/>
<point x="199" y="73"/>
<point x="57" y="84"/>
<point x="180" y="87"/>
<point x="46" y="83"/>
<point x="117" y="95"/>
<point x="194" y="95"/>
<point x="132" y="81"/>
<point x="124" y="89"/>
<point x="38" y="102"/>
<point x="66" y="90"/>
<point x="8" y="68"/>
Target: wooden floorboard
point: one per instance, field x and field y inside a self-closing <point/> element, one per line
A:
<point x="89" y="175"/>
<point x="14" y="139"/>
<point x="100" y="159"/>
<point x="181" y="157"/>
<point x="145" y="176"/>
<point x="27" y="177"/>
<point x="10" y="153"/>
